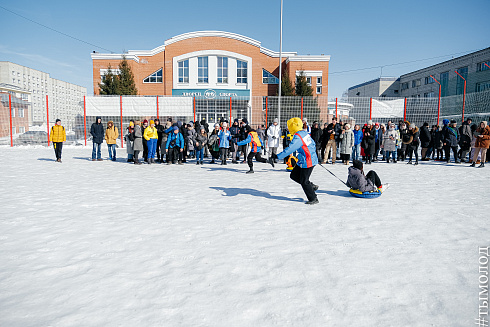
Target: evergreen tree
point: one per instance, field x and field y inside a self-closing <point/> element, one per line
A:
<point x="126" y="79"/>
<point x="286" y="85"/>
<point x="109" y="85"/>
<point x="302" y="87"/>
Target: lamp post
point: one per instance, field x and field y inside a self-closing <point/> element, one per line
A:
<point x="280" y="71"/>
<point x="439" y="102"/>
<point x="464" y="91"/>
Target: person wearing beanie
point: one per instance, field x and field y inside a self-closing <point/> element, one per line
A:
<point x="482" y="143"/>
<point x="137" y="142"/>
<point x="129" y="139"/>
<point x="346" y="143"/>
<point x="332" y="134"/>
<point x="368" y="141"/>
<point x="243" y="135"/>
<point x="200" y="141"/>
<point x="425" y="141"/>
<point x="111" y="135"/>
<point x="97" y="132"/>
<point x="174" y="147"/>
<point x="255" y="143"/>
<point x="390" y="138"/>
<point x="151" y="137"/>
<point x="224" y="137"/>
<point x="145" y="144"/>
<point x="213" y="143"/>
<point x="160" y="133"/>
<point x="450" y="138"/>
<point x="358" y="181"/>
<point x="235" y="134"/>
<point x="273" y="138"/>
<point x="191" y="136"/>
<point x="57" y="136"/>
<point x="316" y="135"/>
<point x="307" y="158"/>
<point x="465" y="139"/>
<point x="412" y="143"/>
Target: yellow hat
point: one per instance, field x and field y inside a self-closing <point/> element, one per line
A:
<point x="295" y="125"/>
<point x="152" y="122"/>
<point x="131" y="124"/>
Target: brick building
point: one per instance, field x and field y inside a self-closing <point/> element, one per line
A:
<point x="213" y="65"/>
<point x="19" y="102"/>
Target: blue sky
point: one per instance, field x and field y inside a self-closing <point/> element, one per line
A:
<point x="357" y="34"/>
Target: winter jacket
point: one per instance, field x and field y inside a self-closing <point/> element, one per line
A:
<point x="235" y="134"/>
<point x="357" y="181"/>
<point x="261" y="134"/>
<point x="202" y="141"/>
<point x="450" y="136"/>
<point x="111" y="134"/>
<point x="129" y="143"/>
<point x="425" y="136"/>
<point x="465" y="135"/>
<point x="389" y="140"/>
<point x="483" y="142"/>
<point x="97" y="131"/>
<point x="255" y="141"/>
<point x="224" y="138"/>
<point x="346" y="142"/>
<point x="174" y="140"/>
<point x="330" y="130"/>
<point x="412" y="137"/>
<point x="306" y="148"/>
<point x="57" y="134"/>
<point x="138" y="139"/>
<point x="436" y="137"/>
<point x="191" y="135"/>
<point x="316" y="134"/>
<point x="368" y="142"/>
<point x="357" y="137"/>
<point x="150" y="133"/>
<point x="273" y="136"/>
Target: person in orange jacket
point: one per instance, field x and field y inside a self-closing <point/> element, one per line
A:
<point x="57" y="136"/>
<point x="111" y="135"/>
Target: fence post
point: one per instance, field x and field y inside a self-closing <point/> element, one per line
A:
<point x="230" y="111"/>
<point x="158" y="110"/>
<point x="370" y="108"/>
<point x="121" y="131"/>
<point x="301" y="108"/>
<point x="10" y="112"/>
<point x="47" y="115"/>
<point x="266" y="112"/>
<point x="194" y="108"/>
<point x="405" y="110"/>
<point x="85" y="120"/>
<point x="336" y="115"/>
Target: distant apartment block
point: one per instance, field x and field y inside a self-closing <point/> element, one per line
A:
<point x="379" y="87"/>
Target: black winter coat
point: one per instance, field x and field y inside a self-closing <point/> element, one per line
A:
<point x="316" y="135"/>
<point x="97" y="132"/>
<point x="450" y="136"/>
<point x="337" y="129"/>
<point x="425" y="137"/>
<point x="369" y="140"/>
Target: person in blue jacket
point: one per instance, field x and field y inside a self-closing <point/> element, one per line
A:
<point x="174" y="147"/>
<point x="98" y="133"/>
<point x="356" y="150"/>
<point x="256" y="144"/>
<point x="307" y="158"/>
<point x="224" y="142"/>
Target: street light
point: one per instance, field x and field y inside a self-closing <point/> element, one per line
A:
<point x="280" y="71"/>
<point x="464" y="91"/>
<point x="439" y="102"/>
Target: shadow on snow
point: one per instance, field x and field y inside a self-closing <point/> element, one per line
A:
<point x="234" y="191"/>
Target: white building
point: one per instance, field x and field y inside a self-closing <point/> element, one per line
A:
<point x="65" y="100"/>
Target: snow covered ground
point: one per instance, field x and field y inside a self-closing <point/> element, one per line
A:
<point x="112" y="244"/>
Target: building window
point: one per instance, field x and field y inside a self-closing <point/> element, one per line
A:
<point x="13" y="112"/>
<point x="21" y="113"/>
<point x="416" y="83"/>
<point x="241" y="71"/>
<point x="308" y="80"/>
<point x="463" y="71"/>
<point x="404" y="86"/>
<point x="429" y="95"/>
<point x="184" y="71"/>
<point x="13" y="130"/>
<point x="156" y="77"/>
<point x="319" y="80"/>
<point x="268" y="78"/>
<point x="13" y="73"/>
<point x="202" y="70"/>
<point x="222" y="70"/>
<point x="318" y="90"/>
<point x="482" y="67"/>
<point x="22" y="129"/>
<point x="483" y="86"/>
<point x="444" y="80"/>
<point x="429" y="80"/>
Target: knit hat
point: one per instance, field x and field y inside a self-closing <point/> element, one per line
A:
<point x="370" y="122"/>
<point x="453" y="121"/>
<point x="445" y="121"/>
<point x="216" y="125"/>
<point x="276" y="120"/>
<point x="244" y="120"/>
<point x="412" y="126"/>
<point x="377" y="124"/>
<point x="357" y="164"/>
<point x="176" y="128"/>
<point x="426" y="124"/>
<point x="191" y="124"/>
<point x="202" y="128"/>
<point x="145" y="121"/>
<point x="152" y="122"/>
<point x="57" y="120"/>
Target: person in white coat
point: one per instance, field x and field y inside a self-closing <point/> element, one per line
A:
<point x="346" y="143"/>
<point x="273" y="138"/>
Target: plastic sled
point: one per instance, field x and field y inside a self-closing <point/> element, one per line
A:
<point x="365" y="195"/>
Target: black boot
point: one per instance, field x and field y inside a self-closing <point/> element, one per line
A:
<point x="473" y="164"/>
<point x="251" y="171"/>
<point x="480" y="166"/>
